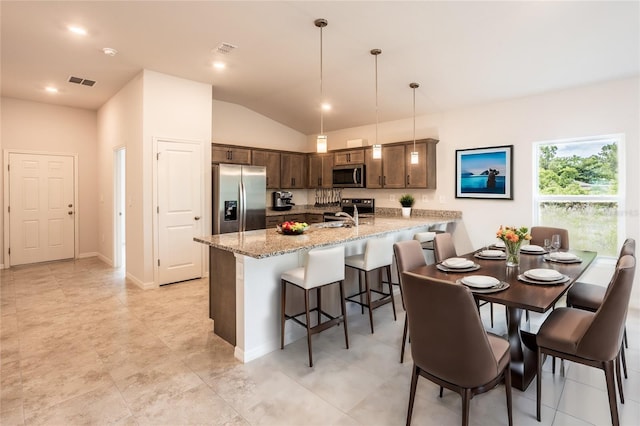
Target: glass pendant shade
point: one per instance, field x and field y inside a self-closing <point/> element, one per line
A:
<point x="414" y="157"/>
<point x="377" y="151"/>
<point x="321" y="144"/>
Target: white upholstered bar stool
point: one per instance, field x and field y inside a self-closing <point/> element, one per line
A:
<point x="323" y="267"/>
<point x="426" y="241"/>
<point x="378" y="255"/>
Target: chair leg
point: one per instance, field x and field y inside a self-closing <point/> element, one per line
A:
<point x="283" y="301"/>
<point x="507" y="390"/>
<point x="466" y="402"/>
<point x="553" y="364"/>
<point x="626" y="342"/>
<point x="611" y="391"/>
<point x="624" y="362"/>
<point x="393" y="302"/>
<point x="368" y="290"/>
<point x="412" y="392"/>
<point x="619" y="379"/>
<point x="308" y="315"/>
<point x="404" y="339"/>
<point x="344" y="313"/>
<point x="491" y="310"/>
<point x="441" y="392"/>
<point x="539" y="384"/>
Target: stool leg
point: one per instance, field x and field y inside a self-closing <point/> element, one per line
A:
<point x="282" y="312"/>
<point x="393" y="302"/>
<point x="306" y="308"/>
<point x="368" y="290"/>
<point x="361" y="293"/>
<point x="319" y="301"/>
<point x="344" y="313"/>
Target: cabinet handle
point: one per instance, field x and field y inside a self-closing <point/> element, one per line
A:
<point x="384" y="180"/>
<point x="408" y="177"/>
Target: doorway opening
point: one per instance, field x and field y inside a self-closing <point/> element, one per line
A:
<point x="119" y="213"/>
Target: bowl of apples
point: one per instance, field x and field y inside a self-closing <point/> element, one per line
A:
<point x="292" y="228"/>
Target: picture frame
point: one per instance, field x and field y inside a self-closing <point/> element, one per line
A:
<point x="485" y="173"/>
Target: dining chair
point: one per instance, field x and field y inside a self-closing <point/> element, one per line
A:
<point x="590" y="338"/>
<point x="378" y="255"/>
<point x="323" y="267"/>
<point x="589" y="297"/>
<point x="449" y="344"/>
<point x="540" y="233"/>
<point x="444" y="248"/>
<point x="408" y="256"/>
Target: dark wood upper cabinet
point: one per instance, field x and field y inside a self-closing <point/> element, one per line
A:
<point x="354" y="156"/>
<point x="230" y="154"/>
<point x="423" y="174"/>
<point x="292" y="170"/>
<point x="271" y="160"/>
<point x="320" y="170"/>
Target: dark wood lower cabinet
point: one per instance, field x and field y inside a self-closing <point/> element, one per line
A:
<point x="222" y="293"/>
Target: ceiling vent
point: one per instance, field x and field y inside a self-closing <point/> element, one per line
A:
<point x="82" y="81"/>
<point x="225" y="48"/>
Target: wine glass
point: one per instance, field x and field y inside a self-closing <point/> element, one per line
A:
<point x="555" y="242"/>
<point x="547" y="245"/>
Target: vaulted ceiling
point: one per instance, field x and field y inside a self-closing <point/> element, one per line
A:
<point x="461" y="53"/>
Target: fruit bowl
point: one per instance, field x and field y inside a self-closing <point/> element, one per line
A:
<point x="292" y="228"/>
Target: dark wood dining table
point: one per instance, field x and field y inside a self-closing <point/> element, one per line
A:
<point x="517" y="298"/>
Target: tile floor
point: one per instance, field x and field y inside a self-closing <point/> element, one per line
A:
<point x="81" y="345"/>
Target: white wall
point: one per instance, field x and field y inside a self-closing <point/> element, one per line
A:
<point x="33" y="126"/>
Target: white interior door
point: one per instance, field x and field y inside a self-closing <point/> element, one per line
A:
<point x="179" y="211"/>
<point x="41" y="208"/>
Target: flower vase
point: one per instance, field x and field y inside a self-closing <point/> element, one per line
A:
<point x="406" y="212"/>
<point x="513" y="253"/>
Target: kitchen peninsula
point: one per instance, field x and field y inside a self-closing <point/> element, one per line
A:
<point x="245" y="269"/>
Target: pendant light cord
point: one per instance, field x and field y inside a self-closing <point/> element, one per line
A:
<point x="321" y="91"/>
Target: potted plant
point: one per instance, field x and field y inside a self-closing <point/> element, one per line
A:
<point x="406" y="201"/>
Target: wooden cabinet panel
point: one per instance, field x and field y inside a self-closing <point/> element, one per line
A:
<point x="292" y="170"/>
<point x="355" y="156"/>
<point x="271" y="160"/>
<point x="320" y="170"/>
<point x="314" y="218"/>
<point x="373" y="169"/>
<point x="423" y="174"/>
<point x="272" y="221"/>
<point x="393" y="166"/>
<point x="298" y="217"/>
<point x="230" y="154"/>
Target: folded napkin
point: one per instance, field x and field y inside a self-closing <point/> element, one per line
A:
<point x="458" y="262"/>
<point x="499" y="244"/>
<point x="543" y="274"/>
<point x="492" y="253"/>
<point x="561" y="255"/>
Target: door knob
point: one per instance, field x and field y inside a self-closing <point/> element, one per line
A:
<point x="197" y="218"/>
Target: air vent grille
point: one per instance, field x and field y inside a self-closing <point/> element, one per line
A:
<point x="81" y="81"/>
<point x="225" y="48"/>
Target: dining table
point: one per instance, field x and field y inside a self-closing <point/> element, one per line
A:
<point x="518" y="294"/>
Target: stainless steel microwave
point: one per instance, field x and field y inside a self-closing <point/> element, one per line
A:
<point x="350" y="176"/>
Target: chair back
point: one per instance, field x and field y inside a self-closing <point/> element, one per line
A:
<point x="443" y="247"/>
<point x="378" y="253"/>
<point x="603" y="337"/>
<point x="448" y="339"/>
<point x="628" y="248"/>
<point x="324" y="266"/>
<point x="409" y="255"/>
<point x="540" y="233"/>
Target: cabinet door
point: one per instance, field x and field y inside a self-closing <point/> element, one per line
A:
<point x="299" y="217"/>
<point x="320" y="170"/>
<point x="292" y="170"/>
<point x="230" y="154"/>
<point x="355" y="156"/>
<point x="272" y="221"/>
<point x="373" y="169"/>
<point x="416" y="173"/>
<point x="314" y="218"/>
<point x="271" y="160"/>
<point x="393" y="166"/>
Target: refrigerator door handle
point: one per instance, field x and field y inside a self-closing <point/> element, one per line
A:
<point x="243" y="208"/>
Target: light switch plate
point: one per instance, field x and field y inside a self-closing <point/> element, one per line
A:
<point x="392" y="197"/>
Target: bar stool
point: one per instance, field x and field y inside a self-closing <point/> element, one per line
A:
<point x="323" y="267"/>
<point x="378" y="255"/>
<point x="425" y="239"/>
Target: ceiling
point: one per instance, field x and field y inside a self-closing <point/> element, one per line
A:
<point x="461" y="53"/>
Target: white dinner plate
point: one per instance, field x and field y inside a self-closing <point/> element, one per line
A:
<point x="562" y="280"/>
<point x="532" y="248"/>
<point x="543" y="274"/>
<point x="493" y="289"/>
<point x="499" y="244"/>
<point x="480" y="281"/>
<point x="561" y="255"/>
<point x="458" y="263"/>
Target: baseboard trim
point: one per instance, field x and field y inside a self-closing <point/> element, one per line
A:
<point x="141" y="284"/>
<point x="89" y="254"/>
<point x="105" y="259"/>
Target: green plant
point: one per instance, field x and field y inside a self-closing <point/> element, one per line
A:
<point x="407" y="200"/>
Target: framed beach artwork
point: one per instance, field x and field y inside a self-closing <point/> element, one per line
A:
<point x="484" y="172"/>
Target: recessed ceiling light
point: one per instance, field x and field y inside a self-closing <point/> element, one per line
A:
<point x="51" y="89"/>
<point x="219" y="65"/>
<point x="326" y="107"/>
<point x="109" y="51"/>
<point x="77" y="30"/>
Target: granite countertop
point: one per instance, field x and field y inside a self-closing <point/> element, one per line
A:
<point x="268" y="242"/>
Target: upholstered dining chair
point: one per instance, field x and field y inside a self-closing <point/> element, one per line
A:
<point x="540" y="233"/>
<point x="443" y="249"/>
<point x="323" y="267"/>
<point x="450" y="346"/>
<point x="408" y="256"/>
<point x="589" y="297"/>
<point x="590" y="338"/>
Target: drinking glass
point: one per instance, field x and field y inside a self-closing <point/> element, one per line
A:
<point x="547" y="245"/>
<point x="555" y="242"/>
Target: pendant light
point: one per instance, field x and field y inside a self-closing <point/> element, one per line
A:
<point x="414" y="153"/>
<point x="321" y="142"/>
<point x="377" y="148"/>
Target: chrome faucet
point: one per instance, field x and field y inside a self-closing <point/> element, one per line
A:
<point x="353" y="218"/>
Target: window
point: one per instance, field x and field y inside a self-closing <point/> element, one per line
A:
<point x="578" y="186"/>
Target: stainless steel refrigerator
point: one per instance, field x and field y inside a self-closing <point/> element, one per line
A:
<point x="239" y="198"/>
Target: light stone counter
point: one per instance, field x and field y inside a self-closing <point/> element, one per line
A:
<point x="268" y="242"/>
